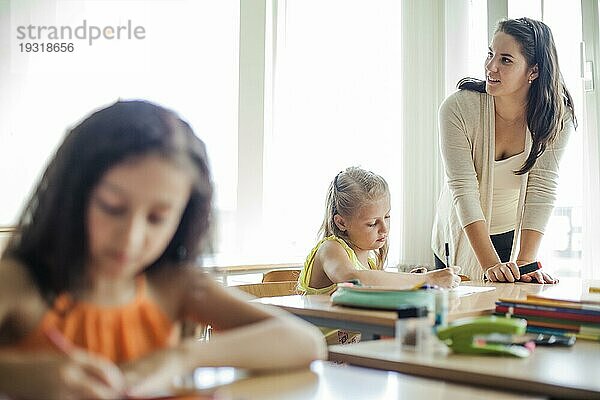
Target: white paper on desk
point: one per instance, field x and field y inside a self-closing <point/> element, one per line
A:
<point x="208" y="378"/>
<point x="462" y="291"/>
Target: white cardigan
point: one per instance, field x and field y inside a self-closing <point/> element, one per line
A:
<point x="467" y="129"/>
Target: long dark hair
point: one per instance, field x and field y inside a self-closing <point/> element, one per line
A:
<point x="51" y="238"/>
<point x="548" y="99"/>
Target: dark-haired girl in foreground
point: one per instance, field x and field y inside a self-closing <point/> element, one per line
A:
<point x="103" y="263"/>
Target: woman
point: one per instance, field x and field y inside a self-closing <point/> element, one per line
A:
<point x="501" y="140"/>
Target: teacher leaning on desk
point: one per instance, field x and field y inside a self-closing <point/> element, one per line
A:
<point x="501" y="141"/>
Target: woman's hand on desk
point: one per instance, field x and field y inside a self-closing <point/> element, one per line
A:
<point x="503" y="272"/>
<point x="537" y="276"/>
<point x="509" y="272"/>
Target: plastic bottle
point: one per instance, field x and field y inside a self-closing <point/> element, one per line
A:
<point x="413" y="328"/>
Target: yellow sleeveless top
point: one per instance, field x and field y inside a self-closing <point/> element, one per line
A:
<point x="305" y="275"/>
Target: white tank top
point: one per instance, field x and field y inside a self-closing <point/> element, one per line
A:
<point x="507" y="185"/>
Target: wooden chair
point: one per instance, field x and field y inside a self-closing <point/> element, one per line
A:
<point x="282" y="275"/>
<point x="269" y="289"/>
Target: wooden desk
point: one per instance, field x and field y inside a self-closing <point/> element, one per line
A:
<point x="328" y="381"/>
<point x="483" y="303"/>
<point x="318" y="309"/>
<point x="552" y="371"/>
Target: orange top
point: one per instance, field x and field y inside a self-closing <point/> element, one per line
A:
<point x="119" y="333"/>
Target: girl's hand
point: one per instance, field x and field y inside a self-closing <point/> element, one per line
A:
<point x="154" y="373"/>
<point x="503" y="272"/>
<point x="446" y="277"/>
<point x="79" y="375"/>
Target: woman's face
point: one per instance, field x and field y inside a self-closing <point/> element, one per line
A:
<point x="133" y="213"/>
<point x="506" y="69"/>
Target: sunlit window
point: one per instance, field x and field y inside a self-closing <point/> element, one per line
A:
<point x="188" y="61"/>
<point x="337" y="103"/>
<point x="561" y="248"/>
<point x="333" y="98"/>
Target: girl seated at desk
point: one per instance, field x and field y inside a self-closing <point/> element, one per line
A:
<point x="354" y="242"/>
<point x="102" y="269"/>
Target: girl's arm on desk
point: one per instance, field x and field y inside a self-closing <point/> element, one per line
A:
<point x="403" y="280"/>
<point x="335" y="264"/>
<point x="247" y="335"/>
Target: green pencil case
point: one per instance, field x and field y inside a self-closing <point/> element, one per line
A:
<point x="381" y="298"/>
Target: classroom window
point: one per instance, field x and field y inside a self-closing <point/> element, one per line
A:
<point x="336" y="103"/>
<point x="562" y="247"/>
<point x="188" y="61"/>
<point x="333" y="98"/>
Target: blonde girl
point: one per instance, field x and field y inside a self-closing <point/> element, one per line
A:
<point x="354" y="239"/>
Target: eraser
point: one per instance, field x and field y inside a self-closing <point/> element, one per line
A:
<point x="527" y="268"/>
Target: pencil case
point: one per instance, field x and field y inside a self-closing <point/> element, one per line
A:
<point x="380" y="298"/>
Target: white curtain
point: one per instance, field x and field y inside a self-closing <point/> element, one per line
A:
<point x="590" y="267"/>
<point x="440" y="40"/>
<point x="590" y="125"/>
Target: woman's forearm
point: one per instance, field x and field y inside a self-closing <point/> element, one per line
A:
<point x="529" y="245"/>
<point x="481" y="243"/>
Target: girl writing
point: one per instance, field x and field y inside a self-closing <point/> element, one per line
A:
<point x="354" y="241"/>
<point x="104" y="259"/>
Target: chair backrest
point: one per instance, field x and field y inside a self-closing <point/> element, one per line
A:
<point x="281" y="275"/>
<point x="269" y="289"/>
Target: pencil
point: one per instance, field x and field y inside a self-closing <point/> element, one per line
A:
<point x="66" y="347"/>
<point x="59" y="341"/>
<point x="447" y="250"/>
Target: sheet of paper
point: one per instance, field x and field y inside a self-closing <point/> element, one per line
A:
<point x="461" y="290"/>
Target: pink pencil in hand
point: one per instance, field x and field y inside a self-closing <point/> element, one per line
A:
<point x="66" y="347"/>
<point x="59" y="341"/>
